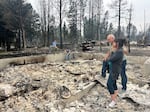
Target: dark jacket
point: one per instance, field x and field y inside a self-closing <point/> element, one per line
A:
<point x="115" y="63"/>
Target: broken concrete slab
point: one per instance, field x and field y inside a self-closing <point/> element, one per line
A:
<point x="6" y="90"/>
<point x="134" y="92"/>
<point x="79" y="94"/>
<point x="137" y="60"/>
<point x="146" y="68"/>
<point x="31" y="59"/>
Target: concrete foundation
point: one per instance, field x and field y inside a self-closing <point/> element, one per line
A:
<point x="61" y="57"/>
<point x="31" y="59"/>
<point x="146" y="69"/>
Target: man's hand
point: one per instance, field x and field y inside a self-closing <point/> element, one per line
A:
<point x="104" y="59"/>
<point x="107" y="56"/>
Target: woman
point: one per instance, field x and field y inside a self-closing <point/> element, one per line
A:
<point x="115" y="64"/>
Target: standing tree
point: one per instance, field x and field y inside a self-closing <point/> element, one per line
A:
<point x="32" y="28"/>
<point x="133" y="32"/>
<point x="99" y="11"/>
<point x="65" y="32"/>
<point x="48" y="26"/>
<point x="61" y="7"/>
<point x="129" y="27"/>
<point x="82" y="5"/>
<point x="120" y="6"/>
<point x="104" y="26"/>
<point x="60" y="27"/>
<point x="16" y="14"/>
<point x="110" y="29"/>
<point x="147" y="38"/>
<point x="43" y="15"/>
<point x="72" y="16"/>
<point x="48" y="14"/>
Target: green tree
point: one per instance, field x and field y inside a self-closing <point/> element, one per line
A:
<point x="81" y="13"/>
<point x="90" y="33"/>
<point x="72" y="16"/>
<point x="147" y="38"/>
<point x="19" y="16"/>
<point x="133" y="31"/>
<point x="51" y="29"/>
<point x="104" y="26"/>
<point x="43" y="19"/>
<point x="32" y="28"/>
<point x="110" y="29"/>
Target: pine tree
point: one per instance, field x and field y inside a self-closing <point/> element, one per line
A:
<point x="72" y="16"/>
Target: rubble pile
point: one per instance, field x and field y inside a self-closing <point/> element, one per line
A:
<point x="45" y="87"/>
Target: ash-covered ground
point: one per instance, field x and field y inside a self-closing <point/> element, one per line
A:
<point x="45" y="87"/>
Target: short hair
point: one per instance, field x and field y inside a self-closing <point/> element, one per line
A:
<point x="110" y="36"/>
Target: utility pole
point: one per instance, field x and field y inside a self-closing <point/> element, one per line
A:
<point x="92" y="21"/>
<point x="99" y="20"/>
<point x="119" y="17"/>
<point x="61" y="43"/>
<point x="145" y="27"/>
<point x="89" y="22"/>
<point x="130" y="15"/>
<point x="144" y="22"/>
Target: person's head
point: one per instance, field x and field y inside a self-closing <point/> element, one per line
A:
<point x="110" y="38"/>
<point x="118" y="43"/>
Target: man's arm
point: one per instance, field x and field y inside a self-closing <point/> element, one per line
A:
<point x="107" y="55"/>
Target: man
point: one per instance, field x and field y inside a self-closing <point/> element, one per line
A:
<point x="110" y="39"/>
<point x="105" y="66"/>
<point x="53" y="47"/>
<point x="54" y="44"/>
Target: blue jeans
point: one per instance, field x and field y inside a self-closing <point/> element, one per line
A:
<point x="123" y="75"/>
<point x="105" y="67"/>
<point x="111" y="84"/>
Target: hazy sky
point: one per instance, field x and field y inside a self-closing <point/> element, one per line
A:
<point x="139" y="7"/>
